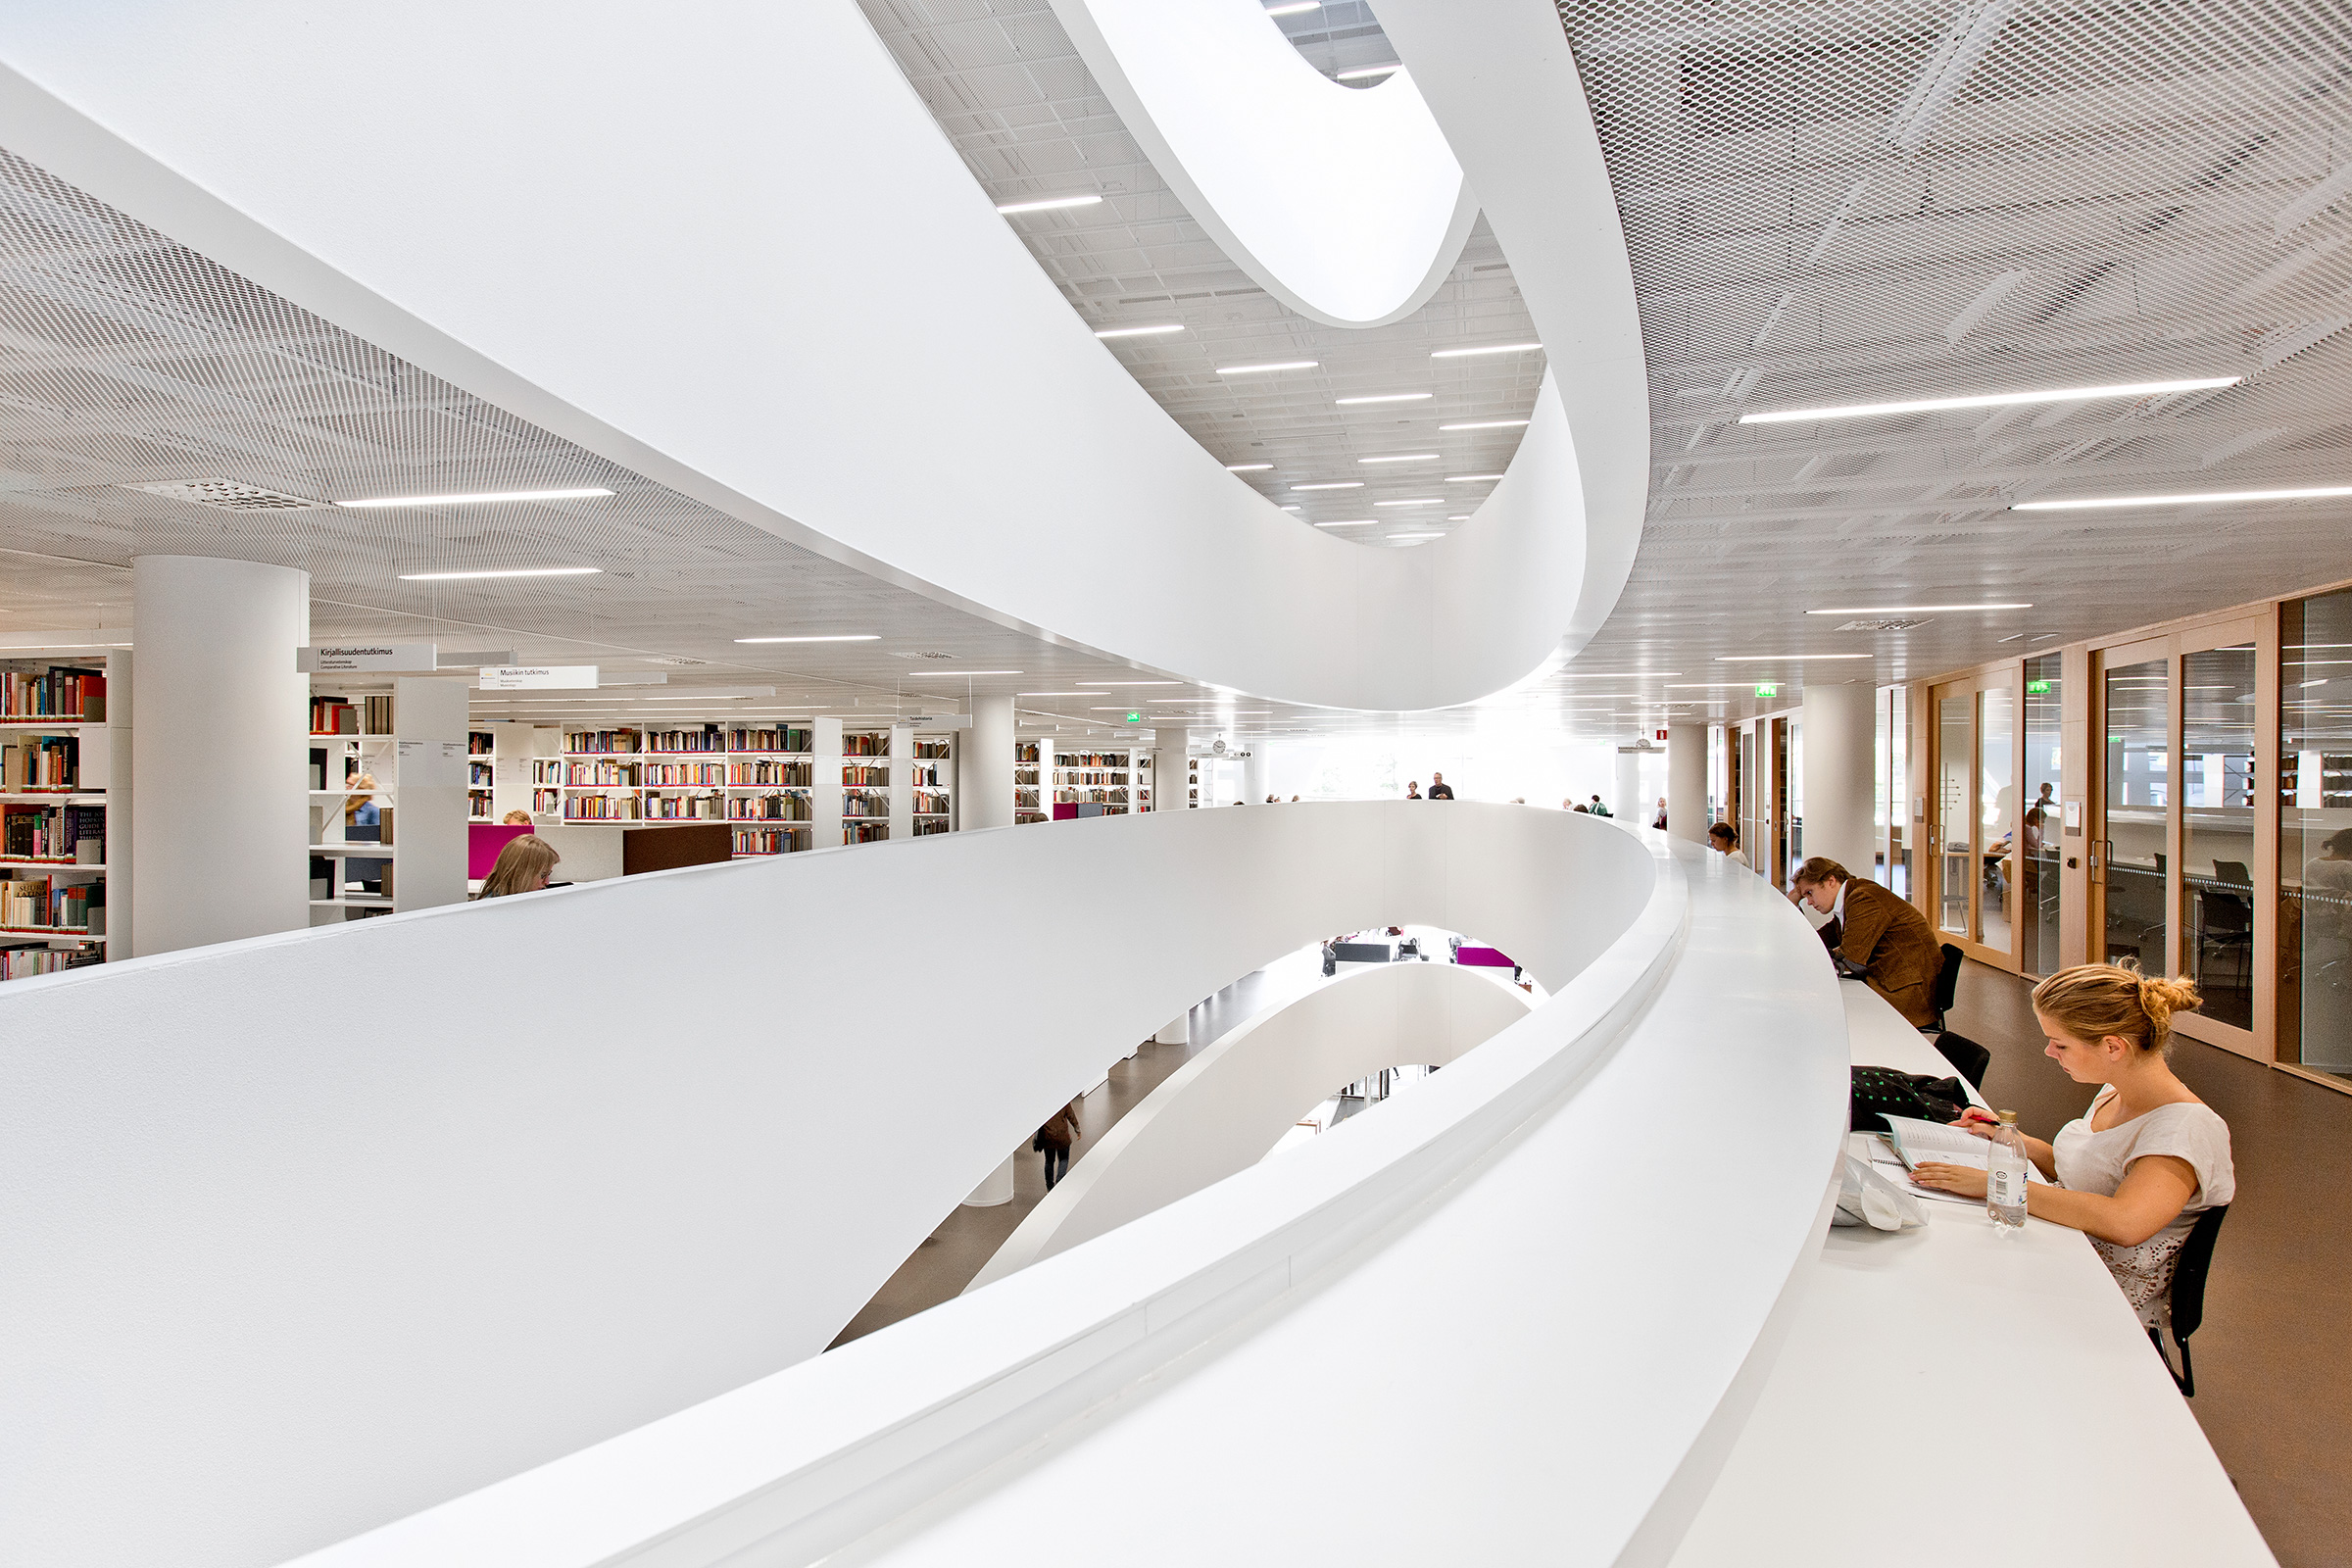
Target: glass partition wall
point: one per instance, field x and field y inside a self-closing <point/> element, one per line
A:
<point x="2040" y="829"/>
<point x="1972" y="815"/>
<point x="2314" y="834"/>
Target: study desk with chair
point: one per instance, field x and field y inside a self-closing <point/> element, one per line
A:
<point x="1947" y="1394"/>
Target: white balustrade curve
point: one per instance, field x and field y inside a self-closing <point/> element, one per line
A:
<point x="1236" y="1097"/>
<point x="728" y="248"/>
<point x="309" y="1232"/>
<point x="1545" y="1288"/>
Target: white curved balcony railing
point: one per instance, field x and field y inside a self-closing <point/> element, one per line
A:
<point x="564" y="1193"/>
<point x="797" y="305"/>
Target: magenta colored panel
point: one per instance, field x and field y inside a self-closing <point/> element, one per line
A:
<point x="483" y="841"/>
<point x="1484" y="959"/>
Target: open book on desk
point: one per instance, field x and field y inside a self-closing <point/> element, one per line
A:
<point x="1921" y="1143"/>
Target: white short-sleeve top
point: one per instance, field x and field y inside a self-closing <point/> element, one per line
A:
<point x="2093" y="1161"/>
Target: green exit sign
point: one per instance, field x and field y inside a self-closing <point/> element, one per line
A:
<point x="2038" y="688"/>
<point x="1135" y="718"/>
<point x="1768" y="691"/>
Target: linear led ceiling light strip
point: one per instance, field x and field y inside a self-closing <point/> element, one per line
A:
<point x="1990" y="400"/>
<point x="2187" y="499"/>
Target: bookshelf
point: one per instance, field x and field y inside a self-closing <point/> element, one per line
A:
<point x="780" y="786"/>
<point x="1028" y="798"/>
<point x="1095" y="776"/>
<point x="414" y="743"/>
<point x="1192" y="783"/>
<point x="61" y="758"/>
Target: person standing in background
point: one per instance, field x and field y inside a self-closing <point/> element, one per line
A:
<point x="1439" y="789"/>
<point x="1053" y="1140"/>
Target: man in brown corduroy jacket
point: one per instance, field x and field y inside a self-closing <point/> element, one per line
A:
<point x="1883" y="936"/>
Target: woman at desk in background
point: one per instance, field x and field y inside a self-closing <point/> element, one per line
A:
<point x="2135" y="1170"/>
<point x="523" y="866"/>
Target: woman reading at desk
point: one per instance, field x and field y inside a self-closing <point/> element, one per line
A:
<point x="2135" y="1170"/>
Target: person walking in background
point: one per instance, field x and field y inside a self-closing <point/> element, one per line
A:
<point x="523" y="866"/>
<point x="1439" y="789"/>
<point x="1053" y="1140"/>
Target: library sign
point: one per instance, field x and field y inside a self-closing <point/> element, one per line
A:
<point x="537" y="677"/>
<point x="335" y="659"/>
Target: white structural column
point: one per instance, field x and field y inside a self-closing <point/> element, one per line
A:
<point x="1177" y="1031"/>
<point x="218" y="809"/>
<point x="824" y="784"/>
<point x="1254" y="775"/>
<point x="1686" y="782"/>
<point x="995" y="1189"/>
<point x="1625" y="793"/>
<point x="428" y="791"/>
<point x="1839" y="737"/>
<point x="902" y="783"/>
<point x="984" y="766"/>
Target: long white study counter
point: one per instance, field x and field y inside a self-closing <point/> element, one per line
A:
<point x="1949" y="1395"/>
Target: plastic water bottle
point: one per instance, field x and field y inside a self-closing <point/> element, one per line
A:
<point x="2005" y="1175"/>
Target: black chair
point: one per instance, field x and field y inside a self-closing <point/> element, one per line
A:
<point x="1967" y="1057"/>
<point x="2188" y="1294"/>
<point x="1948" y="985"/>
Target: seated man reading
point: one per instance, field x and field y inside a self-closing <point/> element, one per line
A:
<point x="1882" y="939"/>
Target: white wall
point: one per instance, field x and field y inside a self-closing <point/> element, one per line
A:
<point x="1225" y="1107"/>
<point x="307" y="1232"/>
<point x="584" y="163"/>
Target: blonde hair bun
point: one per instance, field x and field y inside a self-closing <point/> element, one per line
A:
<point x="2093" y="1001"/>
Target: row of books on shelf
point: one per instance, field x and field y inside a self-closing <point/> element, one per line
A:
<point x="62" y="692"/>
<point x="787" y="738"/>
<point x="930" y="803"/>
<point x="1089" y="760"/>
<point x="40" y="763"/>
<point x="866" y="775"/>
<point x="925" y="826"/>
<point x="1022" y="797"/>
<point x="480" y="743"/>
<point x="684" y="807"/>
<point x="602" y="809"/>
<point x="930" y="749"/>
<point x="1024" y="751"/>
<point x="67" y="834"/>
<point x="770" y="840"/>
<point x="866" y="743"/>
<point x="602" y="740"/>
<point x="1089" y="775"/>
<point x="769" y="770"/>
<point x="857" y="804"/>
<point x="770" y="807"/>
<point x="52" y="903"/>
<point x="478" y="806"/>
<point x="591" y="776"/>
<point x="1095" y="796"/>
<point x="340" y="715"/>
<point x="667" y="774"/>
<point x="864" y="832"/>
<point x="22" y="963"/>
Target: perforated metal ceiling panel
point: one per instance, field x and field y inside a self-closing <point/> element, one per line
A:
<point x="152" y="402"/>
<point x="1838" y="203"/>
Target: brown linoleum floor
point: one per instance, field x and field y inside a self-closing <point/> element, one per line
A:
<point x="2273" y="1384"/>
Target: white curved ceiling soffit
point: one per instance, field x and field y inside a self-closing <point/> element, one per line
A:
<point x="1229" y="114"/>
<point x="785" y="381"/>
